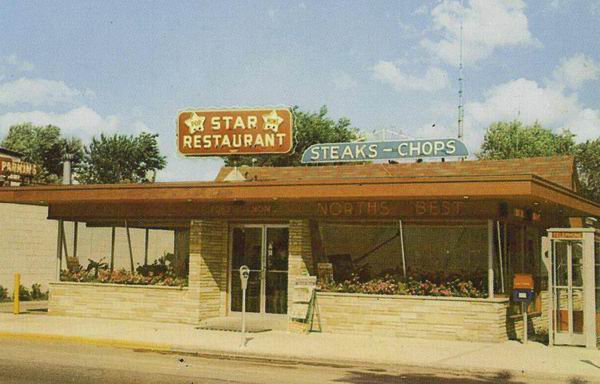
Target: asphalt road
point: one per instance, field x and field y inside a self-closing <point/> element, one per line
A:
<point x="27" y="361"/>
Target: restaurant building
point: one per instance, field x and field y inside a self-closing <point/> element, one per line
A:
<point x="477" y="221"/>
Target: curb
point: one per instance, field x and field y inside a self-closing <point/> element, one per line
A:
<point x="117" y="343"/>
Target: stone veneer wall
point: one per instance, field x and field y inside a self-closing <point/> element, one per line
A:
<point x="118" y="301"/>
<point x="209" y="243"/>
<point x="414" y="316"/>
<point x="205" y="296"/>
<point x="300" y="260"/>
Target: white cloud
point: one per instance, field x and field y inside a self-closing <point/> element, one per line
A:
<point x="82" y="122"/>
<point x="487" y="25"/>
<point x="433" y="80"/>
<point x="527" y="101"/>
<point x="37" y="92"/>
<point x="576" y="70"/>
<point x="343" y="81"/>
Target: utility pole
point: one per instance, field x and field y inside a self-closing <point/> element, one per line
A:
<point x="461" y="109"/>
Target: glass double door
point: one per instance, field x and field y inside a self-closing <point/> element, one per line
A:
<point x="264" y="249"/>
<point x="568" y="292"/>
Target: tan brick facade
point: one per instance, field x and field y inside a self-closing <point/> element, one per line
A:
<point x="300" y="261"/>
<point x="117" y="301"/>
<point x="209" y="243"/>
<point x="413" y="316"/>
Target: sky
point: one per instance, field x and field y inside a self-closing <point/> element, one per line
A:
<point x="127" y="67"/>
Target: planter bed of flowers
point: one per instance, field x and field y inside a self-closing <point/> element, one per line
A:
<point x="416" y="283"/>
<point x="160" y="272"/>
<point x="122" y="276"/>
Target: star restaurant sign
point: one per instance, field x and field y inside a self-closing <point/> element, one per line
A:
<point x="221" y="132"/>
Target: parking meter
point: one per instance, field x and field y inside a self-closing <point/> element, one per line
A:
<point x="244" y="275"/>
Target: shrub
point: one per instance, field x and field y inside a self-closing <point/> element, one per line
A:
<point x="96" y="266"/>
<point x="24" y="293"/>
<point x="4" y="294"/>
<point x="37" y="293"/>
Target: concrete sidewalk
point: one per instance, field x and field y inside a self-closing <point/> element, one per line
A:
<point x="531" y="359"/>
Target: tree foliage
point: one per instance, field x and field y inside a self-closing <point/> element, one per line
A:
<point x="309" y="128"/>
<point x="509" y="140"/>
<point x="120" y="159"/>
<point x="587" y="155"/>
<point x="44" y="146"/>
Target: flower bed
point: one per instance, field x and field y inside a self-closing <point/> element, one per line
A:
<point x="417" y="283"/>
<point x="123" y="276"/>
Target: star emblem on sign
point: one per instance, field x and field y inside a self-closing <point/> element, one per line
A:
<point x="195" y="123"/>
<point x="272" y="121"/>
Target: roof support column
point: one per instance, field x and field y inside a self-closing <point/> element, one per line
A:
<point x="490" y="259"/>
<point x="59" y="241"/>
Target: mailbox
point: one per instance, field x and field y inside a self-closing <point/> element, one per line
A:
<point x="523" y="281"/>
<point x="523" y="287"/>
<point x="244" y="275"/>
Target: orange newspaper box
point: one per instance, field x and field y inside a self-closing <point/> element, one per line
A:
<point x="523" y="281"/>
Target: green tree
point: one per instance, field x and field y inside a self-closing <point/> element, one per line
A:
<point x="309" y="128"/>
<point x="120" y="159"/>
<point x="587" y="155"/>
<point x="509" y="140"/>
<point x="44" y="146"/>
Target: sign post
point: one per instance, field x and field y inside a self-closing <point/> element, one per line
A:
<point x="244" y="275"/>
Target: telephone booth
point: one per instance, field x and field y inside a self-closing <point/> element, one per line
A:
<point x="572" y="260"/>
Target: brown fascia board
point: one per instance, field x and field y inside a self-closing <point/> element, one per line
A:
<point x="489" y="187"/>
<point x="267" y="190"/>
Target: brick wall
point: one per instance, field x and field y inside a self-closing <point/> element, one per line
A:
<point x="412" y="316"/>
<point x="208" y="266"/>
<point x="27" y="245"/>
<point x="205" y="296"/>
<point x="115" y="301"/>
<point x="300" y="261"/>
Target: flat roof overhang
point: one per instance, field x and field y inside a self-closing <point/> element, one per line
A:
<point x="526" y="188"/>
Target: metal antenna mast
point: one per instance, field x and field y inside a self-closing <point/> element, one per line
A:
<point x="461" y="109"/>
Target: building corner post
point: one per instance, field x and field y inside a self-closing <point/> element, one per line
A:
<point x="490" y="259"/>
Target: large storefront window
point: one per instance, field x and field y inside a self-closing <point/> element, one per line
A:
<point x="450" y="248"/>
<point x="135" y="255"/>
<point x="446" y="259"/>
